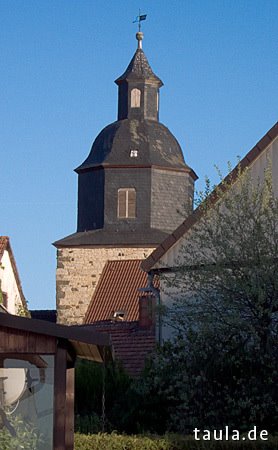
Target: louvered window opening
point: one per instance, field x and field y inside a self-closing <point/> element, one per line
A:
<point x="135" y="98"/>
<point x="126" y="203"/>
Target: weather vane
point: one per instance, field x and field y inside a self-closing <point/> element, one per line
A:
<point x="139" y="19"/>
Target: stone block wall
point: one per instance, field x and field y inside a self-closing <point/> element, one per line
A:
<point x="78" y="272"/>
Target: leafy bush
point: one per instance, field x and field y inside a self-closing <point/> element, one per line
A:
<point x="222" y="301"/>
<point x="26" y="437"/>
<point x="127" y="408"/>
<point x="88" y="424"/>
<point x="118" y="442"/>
<point x="168" y="442"/>
<point x="120" y="398"/>
<point x="202" y="385"/>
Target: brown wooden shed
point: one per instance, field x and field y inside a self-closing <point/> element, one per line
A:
<point x="37" y="378"/>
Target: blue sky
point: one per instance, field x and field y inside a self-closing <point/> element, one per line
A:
<point x="217" y="59"/>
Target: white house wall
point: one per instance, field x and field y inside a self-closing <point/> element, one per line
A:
<point x="258" y="166"/>
<point x="9" y="284"/>
<point x="178" y="250"/>
<point x="257" y="169"/>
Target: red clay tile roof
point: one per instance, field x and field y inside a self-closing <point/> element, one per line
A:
<point x="132" y="345"/>
<point x="117" y="290"/>
<point x="155" y="256"/>
<point x="5" y="245"/>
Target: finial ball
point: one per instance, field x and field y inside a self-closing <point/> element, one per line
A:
<point x="139" y="36"/>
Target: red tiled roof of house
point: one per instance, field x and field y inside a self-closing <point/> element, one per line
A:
<point x="132" y="345"/>
<point x="117" y="290"/>
<point x="5" y="245"/>
<point x="263" y="143"/>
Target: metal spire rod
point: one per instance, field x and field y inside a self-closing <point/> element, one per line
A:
<point x="139" y="19"/>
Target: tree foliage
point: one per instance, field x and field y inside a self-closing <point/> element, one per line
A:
<point x="221" y="368"/>
<point x="227" y="270"/>
<point x="127" y="408"/>
<point x="166" y="442"/>
<point x="92" y="381"/>
<point x="26" y="436"/>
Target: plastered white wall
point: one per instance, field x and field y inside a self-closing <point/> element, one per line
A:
<point x="178" y="250"/>
<point x="9" y="284"/>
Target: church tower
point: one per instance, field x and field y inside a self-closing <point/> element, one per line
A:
<point x="132" y="189"/>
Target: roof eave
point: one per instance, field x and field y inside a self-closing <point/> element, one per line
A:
<point x="149" y="263"/>
<point x="133" y="77"/>
<point x="79" y="338"/>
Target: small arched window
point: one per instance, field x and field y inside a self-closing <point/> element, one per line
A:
<point x="126" y="203"/>
<point x="135" y="98"/>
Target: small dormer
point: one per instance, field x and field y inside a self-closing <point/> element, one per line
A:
<point x="138" y="96"/>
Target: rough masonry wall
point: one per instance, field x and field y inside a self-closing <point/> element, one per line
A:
<point x="78" y="272"/>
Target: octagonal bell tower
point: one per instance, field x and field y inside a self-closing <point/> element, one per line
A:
<point x="131" y="190"/>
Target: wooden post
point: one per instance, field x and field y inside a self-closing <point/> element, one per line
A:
<point x="60" y="385"/>
<point x="70" y="410"/>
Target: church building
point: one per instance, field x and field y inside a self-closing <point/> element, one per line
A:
<point x="134" y="189"/>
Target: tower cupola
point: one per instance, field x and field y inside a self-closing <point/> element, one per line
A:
<point x="131" y="189"/>
<point x="138" y="96"/>
<point x="134" y="181"/>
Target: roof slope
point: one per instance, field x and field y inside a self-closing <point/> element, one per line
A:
<point x="4" y="242"/>
<point x="132" y="345"/>
<point x="50" y="315"/>
<point x="156" y="144"/>
<point x="87" y="344"/>
<point x="139" y="68"/>
<point x="112" y="237"/>
<point x="263" y="143"/>
<point x="117" y="290"/>
<point x="5" y="245"/>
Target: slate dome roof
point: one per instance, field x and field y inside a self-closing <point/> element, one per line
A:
<point x="154" y="143"/>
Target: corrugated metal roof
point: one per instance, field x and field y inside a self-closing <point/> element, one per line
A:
<point x="117" y="290"/>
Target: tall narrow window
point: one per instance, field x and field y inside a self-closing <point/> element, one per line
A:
<point x="126" y="203"/>
<point x="135" y="98"/>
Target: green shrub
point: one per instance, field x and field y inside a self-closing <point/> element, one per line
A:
<point x="127" y="409"/>
<point x="114" y="441"/>
<point x="202" y="385"/>
<point x="26" y="436"/>
<point x="88" y="424"/>
<point x="119" y="442"/>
